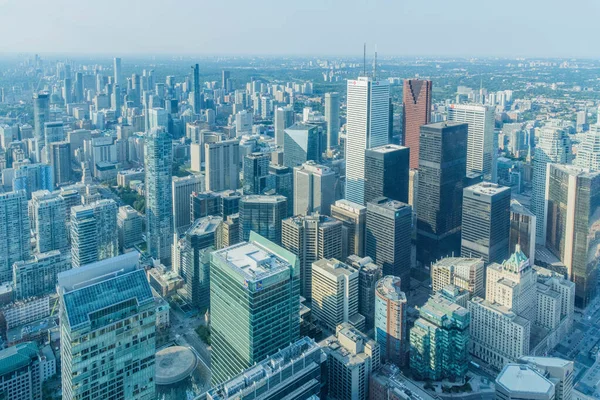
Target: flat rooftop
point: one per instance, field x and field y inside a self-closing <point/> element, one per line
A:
<point x="205" y="225"/>
<point x="388" y="148"/>
<point x="487" y="189"/>
<point x="521" y="378"/>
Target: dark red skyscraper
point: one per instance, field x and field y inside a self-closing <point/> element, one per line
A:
<point x="417" y="112"/>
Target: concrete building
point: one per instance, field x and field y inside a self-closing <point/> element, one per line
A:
<point x="263" y="215"/>
<point x="251" y="280"/>
<point x="183" y="187"/>
<point x="386" y="173"/>
<point x="59" y="157"/>
<point x="332" y="116"/>
<point x="231" y="231"/>
<point x="129" y="227"/>
<point x="353" y="217"/>
<point x="369" y="274"/>
<point x="24" y="369"/>
<point x="222" y="165"/>
<point x="314" y="189"/>
<point x="243" y="123"/>
<point x="390" y="320"/>
<point x="302" y="143"/>
<point x="48" y="213"/>
<point x="518" y="381"/>
<point x="465" y="273"/>
<point x="557" y="371"/>
<point x="107" y="312"/>
<point x="14" y="232"/>
<point x="416" y="105"/>
<point x="94" y="234"/>
<point x="522" y="229"/>
<point x="284" y="118"/>
<point x="37" y="276"/>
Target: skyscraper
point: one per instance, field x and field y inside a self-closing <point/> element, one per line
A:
<point x="588" y="151"/>
<point x="480" y="144"/>
<point x="158" y="160"/>
<point x="302" y="143"/>
<point x="311" y="238"/>
<point x="256" y="173"/>
<point x="108" y="303"/>
<point x="390" y="320"/>
<point x="243" y="123"/>
<point x="254" y="297"/>
<point x="369" y="274"/>
<point x="94" y="234"/>
<point x="353" y="217"/>
<point x="225" y="85"/>
<point x="332" y="116"/>
<point x="14" y="231"/>
<point x="442" y="168"/>
<point x="416" y="102"/>
<point x="41" y="115"/>
<point x="573" y="205"/>
<point x="60" y="159"/>
<point x="367" y="126"/>
<point x="486" y="222"/>
<point x="183" y="187"/>
<point x="284" y="118"/>
<point x="283" y="183"/>
<point x="53" y="132"/>
<point x="386" y="173"/>
<point x="49" y="220"/>
<point x="388" y="236"/>
<point x="314" y="189"/>
<point x="222" y="165"/>
<point x="118" y="77"/>
<point x="196" y="89"/>
<point x="554" y="146"/>
<point x="263" y="215"/>
<point x="522" y="229"/>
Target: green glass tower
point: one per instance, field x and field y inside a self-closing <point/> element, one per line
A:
<point x="254" y="297"/>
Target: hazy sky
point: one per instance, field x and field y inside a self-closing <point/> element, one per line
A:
<point x="566" y="28"/>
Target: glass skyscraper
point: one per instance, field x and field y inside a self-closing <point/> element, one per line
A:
<point x="14" y="232"/>
<point x="263" y="215"/>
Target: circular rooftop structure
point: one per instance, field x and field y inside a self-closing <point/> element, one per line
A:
<point x="174" y="364"/>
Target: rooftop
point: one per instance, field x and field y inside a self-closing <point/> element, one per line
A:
<point x="518" y="378"/>
<point x="17" y="356"/>
<point x="487" y="189"/>
<point x="389" y="287"/>
<point x="334" y="267"/>
<point x="205" y="225"/>
<point x="258" y="198"/>
<point x="350" y="206"/>
<point x="388" y="148"/>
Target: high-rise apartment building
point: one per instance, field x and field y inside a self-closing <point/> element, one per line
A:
<point x="107" y="331"/>
<point x="442" y="168"/>
<point x="388" y="237"/>
<point x="158" y="161"/>
<point x="588" y="151"/>
<point x="553" y="146"/>
<point x="48" y="214"/>
<point x="354" y="218"/>
<point x="263" y="215"/>
<point x="182" y="189"/>
<point x="256" y="173"/>
<point x="390" y="320"/>
<point x="302" y="143"/>
<point x="314" y="189"/>
<point x="94" y="234"/>
<point x="572" y="225"/>
<point x="386" y="173"/>
<point x="485" y="222"/>
<point x="367" y="126"/>
<point x="465" y="273"/>
<point x="129" y="227"/>
<point x="36" y="277"/>
<point x="522" y="229"/>
<point x="14" y="232"/>
<point x="311" y="238"/>
<point x="416" y="102"/>
<point x="254" y="298"/>
<point x="222" y="165"/>
<point x="41" y="115"/>
<point x="481" y="158"/>
<point x="284" y="118"/>
<point x="332" y="116"/>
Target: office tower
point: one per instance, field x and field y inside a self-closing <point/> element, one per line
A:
<point x="25" y="368"/>
<point x="314" y="189"/>
<point x="522" y="229"/>
<point x="203" y="237"/>
<point x="367" y="126"/>
<point x="519" y="381"/>
<point x="204" y="204"/>
<point x="110" y="303"/>
<point x="243" y="123"/>
<point x="36" y="277"/>
<point x="231" y="231"/>
<point x="442" y="167"/>
<point x="249" y="282"/>
<point x="588" y="151"/>
<point x="416" y="103"/>
<point x="53" y="132"/>
<point x="157" y="118"/>
<point x="283" y="183"/>
<point x="335" y="294"/>
<point x="129" y="227"/>
<point x="33" y="177"/>
<point x="301" y="364"/>
<point x="386" y="173"/>
<point x="48" y="213"/>
<point x="311" y="238"/>
<point x="225" y="75"/>
<point x="354" y="217"/>
<point x="263" y="215"/>
<point x="481" y="158"/>
<point x="554" y="146"/>
<point x="351" y="358"/>
<point x="332" y="116"/>
<point x="222" y="165"/>
<point x="573" y="204"/>
<point x="388" y="232"/>
<point x="197" y="99"/>
<point x="41" y="115"/>
<point x="302" y="143"/>
<point x="60" y="160"/>
<point x="182" y="189"/>
<point x="284" y="118"/>
<point x="465" y="273"/>
<point x="390" y="320"/>
<point x="256" y="173"/>
<point x="557" y="371"/>
<point x="158" y="160"/>
<point x="485" y="222"/>
<point x="369" y="274"/>
<point x="118" y="77"/>
<point x="555" y="302"/>
<point x="78" y="90"/>
<point x="14" y="232"/>
<point x="94" y="234"/>
<point x="439" y="341"/>
<point x="229" y="202"/>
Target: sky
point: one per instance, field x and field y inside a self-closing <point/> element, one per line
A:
<point x="452" y="28"/>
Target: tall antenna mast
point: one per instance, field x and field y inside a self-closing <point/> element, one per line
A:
<point x="365" y="59"/>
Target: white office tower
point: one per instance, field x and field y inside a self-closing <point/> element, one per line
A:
<point x="53" y="132"/>
<point x="48" y="213"/>
<point x="335" y="294"/>
<point x="332" y="116"/>
<point x="554" y="146"/>
<point x="158" y="117"/>
<point x="158" y="160"/>
<point x="465" y="273"/>
<point x="222" y="165"/>
<point x="107" y="331"/>
<point x="480" y="138"/>
<point x="284" y="118"/>
<point x="557" y="371"/>
<point x="367" y="126"/>
<point x="14" y="232"/>
<point x="183" y="187"/>
<point x="523" y="382"/>
<point x="314" y="189"/>
<point x="94" y="234"/>
<point x="588" y="151"/>
<point x="243" y="123"/>
<point x="117" y="73"/>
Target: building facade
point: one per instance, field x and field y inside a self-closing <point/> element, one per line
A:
<point x="390" y="320"/>
<point x="416" y="102"/>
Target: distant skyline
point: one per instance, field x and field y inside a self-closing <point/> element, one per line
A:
<point x="462" y="28"/>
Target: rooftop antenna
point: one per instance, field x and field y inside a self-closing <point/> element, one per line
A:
<point x="375" y="65"/>
<point x="365" y="59"/>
